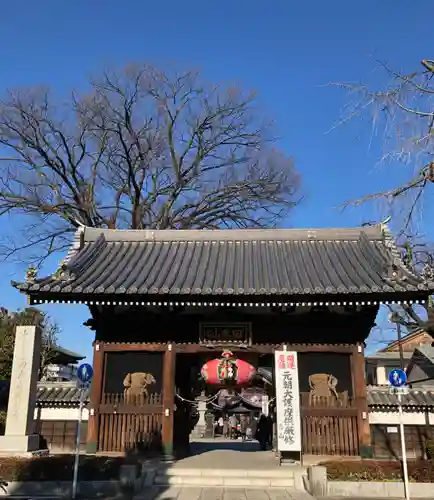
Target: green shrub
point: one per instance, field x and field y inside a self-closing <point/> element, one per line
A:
<point x="2" y="422"/>
<point x="60" y="468"/>
<point x="430" y="449"/>
<point x="421" y="471"/>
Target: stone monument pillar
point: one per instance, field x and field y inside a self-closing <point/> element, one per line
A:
<point x="19" y="438"/>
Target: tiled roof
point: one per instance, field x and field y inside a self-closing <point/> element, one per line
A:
<point x="388" y="356"/>
<point x="381" y="398"/>
<point x="416" y="336"/>
<point x="61" y="351"/>
<point x="59" y="394"/>
<point x="295" y="262"/>
<point x="427" y="350"/>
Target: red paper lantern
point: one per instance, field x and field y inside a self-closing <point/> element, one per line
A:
<point x="227" y="370"/>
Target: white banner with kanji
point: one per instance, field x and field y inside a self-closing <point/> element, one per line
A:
<point x="287" y="401"/>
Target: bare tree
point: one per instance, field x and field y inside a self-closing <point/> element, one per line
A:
<point x="403" y="113"/>
<point x="143" y="149"/>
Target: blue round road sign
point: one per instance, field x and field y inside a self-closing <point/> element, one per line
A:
<point x="397" y="377"/>
<point x="84" y="373"/>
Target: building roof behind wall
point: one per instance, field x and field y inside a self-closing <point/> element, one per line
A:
<point x="428" y="351"/>
<point x="62" y="356"/>
<point x="410" y="341"/>
<point x="388" y="356"/>
<point x="65" y="394"/>
<point x="233" y="262"/>
<point x="380" y="399"/>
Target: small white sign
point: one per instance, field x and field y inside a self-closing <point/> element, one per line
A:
<point x="398" y="390"/>
<point x="83" y="386"/>
<point x="287" y="401"/>
<point x="392" y="430"/>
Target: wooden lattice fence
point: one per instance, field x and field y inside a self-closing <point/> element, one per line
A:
<point x="329" y="426"/>
<point x="132" y="423"/>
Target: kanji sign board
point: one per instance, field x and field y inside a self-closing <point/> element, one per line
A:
<point x="287" y="401"/>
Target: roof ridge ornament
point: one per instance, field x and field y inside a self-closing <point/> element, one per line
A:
<point x="63" y="272"/>
<point x="428" y="272"/>
<point x="31" y="274"/>
<point x="399" y="266"/>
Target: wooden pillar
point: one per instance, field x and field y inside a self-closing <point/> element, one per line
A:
<point x="361" y="400"/>
<point x="169" y="364"/>
<point x="95" y="397"/>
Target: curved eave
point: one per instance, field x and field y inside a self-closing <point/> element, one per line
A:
<point x="257" y="301"/>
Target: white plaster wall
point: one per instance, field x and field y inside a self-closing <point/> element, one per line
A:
<point x="409" y="418"/>
<point x="59" y="414"/>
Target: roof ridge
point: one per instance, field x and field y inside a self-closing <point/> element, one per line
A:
<point x="57" y="385"/>
<point x="424" y="389"/>
<point x="275" y="234"/>
<point x="386" y="388"/>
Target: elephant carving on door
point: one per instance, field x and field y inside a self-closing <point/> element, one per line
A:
<point x="322" y="386"/>
<point x="136" y="385"/>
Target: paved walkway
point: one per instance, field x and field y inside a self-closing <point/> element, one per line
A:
<point x="221" y="494"/>
<point x="227" y="454"/>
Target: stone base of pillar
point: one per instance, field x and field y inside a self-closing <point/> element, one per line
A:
<point x="19" y="445"/>
<point x="198" y="431"/>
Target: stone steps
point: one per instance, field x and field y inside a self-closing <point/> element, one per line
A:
<point x="284" y="477"/>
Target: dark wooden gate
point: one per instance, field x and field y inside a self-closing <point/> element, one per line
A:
<point x="133" y="424"/>
<point x="329" y="426"/>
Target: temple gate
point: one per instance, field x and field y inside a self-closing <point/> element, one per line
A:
<point x="160" y="297"/>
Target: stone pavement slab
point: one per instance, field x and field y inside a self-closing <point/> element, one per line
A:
<point x="186" y="493"/>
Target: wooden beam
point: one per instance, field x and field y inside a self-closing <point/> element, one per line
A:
<point x="309" y="411"/>
<point x="130" y="409"/>
<point x="134" y="346"/>
<point x="265" y="348"/>
<point x="95" y="397"/>
<point x="169" y="365"/>
<point x="361" y="400"/>
<point x="201" y="348"/>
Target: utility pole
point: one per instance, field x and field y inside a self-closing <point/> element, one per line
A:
<point x="401" y="350"/>
<point x="399" y="390"/>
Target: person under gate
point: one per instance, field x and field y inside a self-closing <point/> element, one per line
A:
<point x="262" y="432"/>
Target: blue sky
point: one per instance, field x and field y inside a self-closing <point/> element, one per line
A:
<point x="288" y="51"/>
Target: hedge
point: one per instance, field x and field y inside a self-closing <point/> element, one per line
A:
<point x="2" y="422"/>
<point x="60" y="468"/>
<point x="420" y="471"/>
